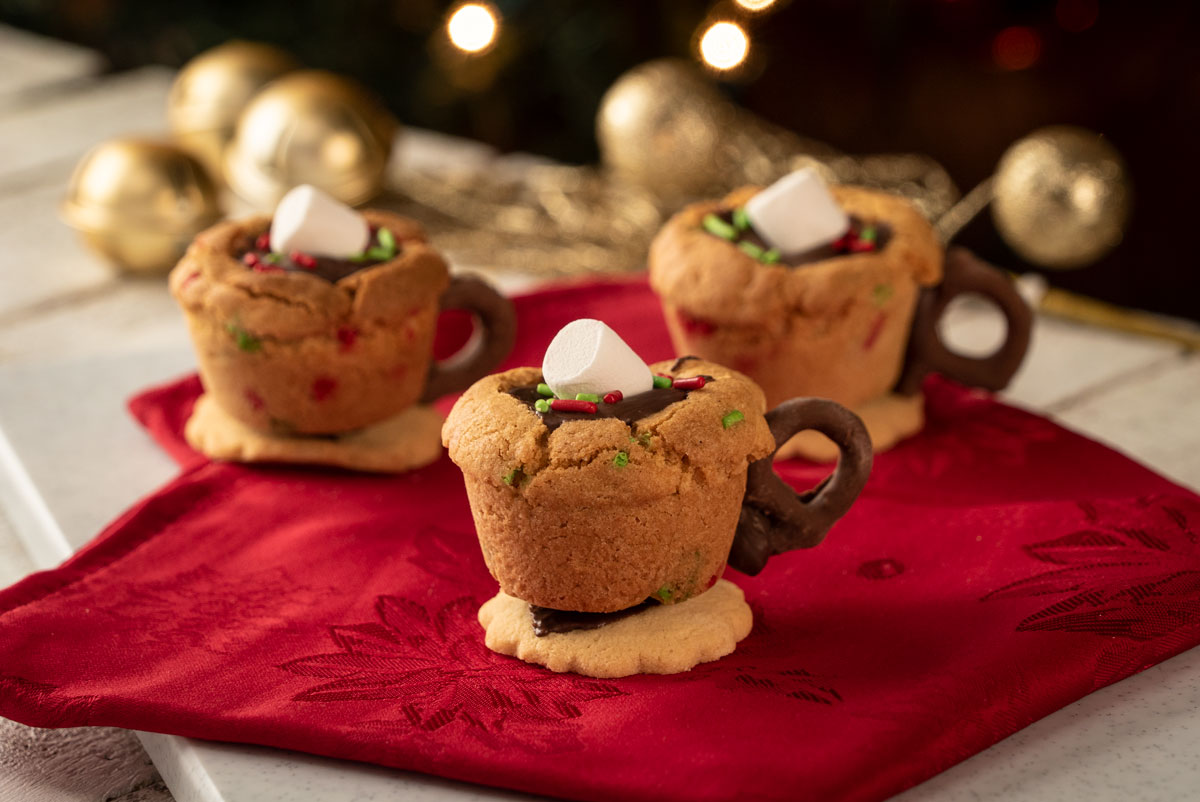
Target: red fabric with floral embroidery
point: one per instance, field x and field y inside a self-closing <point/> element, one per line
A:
<point x="996" y="568"/>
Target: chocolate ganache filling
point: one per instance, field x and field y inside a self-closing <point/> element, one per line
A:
<point x="862" y="237"/>
<point x="257" y="256"/>
<point x="627" y="410"/>
<point x="547" y="621"/>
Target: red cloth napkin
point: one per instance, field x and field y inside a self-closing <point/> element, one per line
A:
<point x="996" y="568"/>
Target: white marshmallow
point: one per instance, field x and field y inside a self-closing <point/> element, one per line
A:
<point x="316" y="223"/>
<point x="586" y="356"/>
<point x="797" y="213"/>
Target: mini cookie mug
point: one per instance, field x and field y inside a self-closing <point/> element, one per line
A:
<point x="858" y="326"/>
<point x="290" y="352"/>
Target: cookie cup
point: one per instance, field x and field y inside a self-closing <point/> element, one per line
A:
<point x="564" y="522"/>
<point x="292" y="353"/>
<point x="836" y="328"/>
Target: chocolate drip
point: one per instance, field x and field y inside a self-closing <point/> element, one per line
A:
<point x="329" y="268"/>
<point x="883" y="234"/>
<point x="547" y="621"/>
<point x="629" y="410"/>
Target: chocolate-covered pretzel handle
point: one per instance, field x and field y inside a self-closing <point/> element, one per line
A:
<point x="928" y="354"/>
<point x="775" y="518"/>
<point x="490" y="343"/>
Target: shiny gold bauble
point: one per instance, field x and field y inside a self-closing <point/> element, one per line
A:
<point x="1061" y="197"/>
<point x="310" y="127"/>
<point x="661" y="125"/>
<point x="139" y="203"/>
<point x="211" y="90"/>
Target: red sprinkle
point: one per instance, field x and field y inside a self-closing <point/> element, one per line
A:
<point x="695" y="325"/>
<point x="861" y="246"/>
<point x="303" y="260"/>
<point x="256" y="400"/>
<point x="690" y="383"/>
<point x="573" y="405"/>
<point x="613" y="397"/>
<point x="263" y="267"/>
<point x="322" y="388"/>
<point x="250" y="259"/>
<point x="842" y="243"/>
<point x="876" y="330"/>
<point x="347" y="336"/>
<point x="263" y="243"/>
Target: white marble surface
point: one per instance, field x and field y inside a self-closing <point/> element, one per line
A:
<point x="75" y="340"/>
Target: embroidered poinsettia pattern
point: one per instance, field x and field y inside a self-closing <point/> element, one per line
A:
<point x="758" y="669"/>
<point x="436" y="673"/>
<point x="1131" y="571"/>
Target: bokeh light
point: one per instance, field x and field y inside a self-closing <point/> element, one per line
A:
<point x="472" y="27"/>
<point x="724" y="45"/>
<point x="755" y="5"/>
<point x="1016" y="48"/>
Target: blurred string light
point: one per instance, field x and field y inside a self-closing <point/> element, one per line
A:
<point x="724" y="45"/>
<point x="1016" y="48"/>
<point x="473" y="27"/>
<point x="755" y="5"/>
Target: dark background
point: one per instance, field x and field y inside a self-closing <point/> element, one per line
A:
<point x="957" y="79"/>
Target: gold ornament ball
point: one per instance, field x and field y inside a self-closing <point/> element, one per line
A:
<point x="1061" y="197"/>
<point x="211" y="90"/>
<point x="660" y="125"/>
<point x="139" y="203"/>
<point x="310" y="127"/>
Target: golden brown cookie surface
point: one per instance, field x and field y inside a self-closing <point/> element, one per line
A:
<point x="715" y="281"/>
<point x="836" y="328"/>
<point x="404" y="442"/>
<point x="667" y="639"/>
<point x="292" y="349"/>
<point x="599" y="515"/>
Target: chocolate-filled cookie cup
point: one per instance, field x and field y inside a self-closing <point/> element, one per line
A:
<point x="597" y="514"/>
<point x="334" y="347"/>
<point x="854" y="327"/>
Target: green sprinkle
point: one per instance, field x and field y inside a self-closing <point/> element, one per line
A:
<point x="771" y="257"/>
<point x="733" y="417"/>
<point x="542" y="405"/>
<point x="661" y="381"/>
<point x="379" y="254"/>
<point x="621" y="460"/>
<point x="718" y="227"/>
<point x="595" y="399"/>
<point x="387" y="241"/>
<point x="867" y="234"/>
<point x="642" y="439"/>
<point x="511" y="476"/>
<point x="741" y="219"/>
<point x="664" y="593"/>
<point x="751" y="249"/>
<point x="245" y="340"/>
<point x="358" y="257"/>
<point x="544" y="389"/>
<point x="881" y="294"/>
<point x="271" y="258"/>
